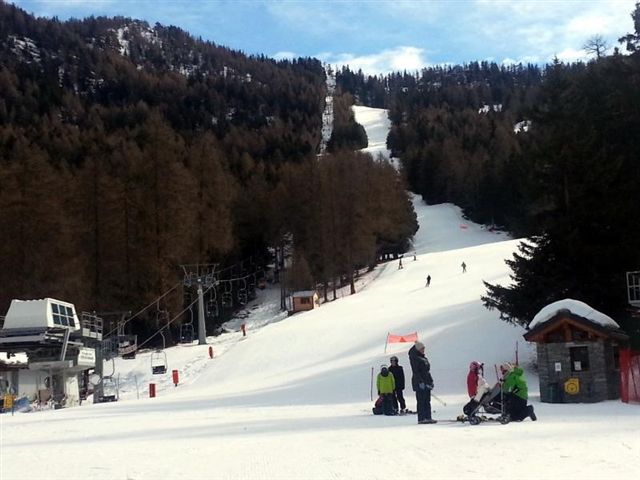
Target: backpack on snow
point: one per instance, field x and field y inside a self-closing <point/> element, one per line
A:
<point x="377" y="407"/>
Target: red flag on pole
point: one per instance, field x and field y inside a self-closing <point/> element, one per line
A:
<point x="411" y="337"/>
<point x="408" y="338"/>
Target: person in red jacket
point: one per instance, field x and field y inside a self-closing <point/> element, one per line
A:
<point x="475" y="373"/>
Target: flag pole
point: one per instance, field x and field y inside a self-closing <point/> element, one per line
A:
<point x="385" y="343"/>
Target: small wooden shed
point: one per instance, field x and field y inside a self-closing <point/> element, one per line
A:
<point x="578" y="353"/>
<point x="303" y="300"/>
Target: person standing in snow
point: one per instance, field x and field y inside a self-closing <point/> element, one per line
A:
<point x="398" y="375"/>
<point x="386" y="389"/>
<point x="516" y="393"/>
<point x="464" y="267"/>
<point x="428" y="280"/>
<point x="422" y="382"/>
<point x="400" y="264"/>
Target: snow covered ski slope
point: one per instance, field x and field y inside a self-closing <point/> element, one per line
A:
<point x="291" y="400"/>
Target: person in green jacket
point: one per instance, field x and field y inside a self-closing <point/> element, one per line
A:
<point x="516" y="393"/>
<point x="386" y="387"/>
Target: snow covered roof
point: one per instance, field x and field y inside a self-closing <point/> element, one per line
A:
<point x="304" y="293"/>
<point x="576" y="307"/>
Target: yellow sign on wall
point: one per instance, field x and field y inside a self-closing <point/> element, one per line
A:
<point x="8" y="401"/>
<point x="572" y="386"/>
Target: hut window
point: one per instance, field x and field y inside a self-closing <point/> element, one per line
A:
<point x="579" y="359"/>
<point x="305" y="301"/>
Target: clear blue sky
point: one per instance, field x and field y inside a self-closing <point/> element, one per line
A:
<point x="377" y="36"/>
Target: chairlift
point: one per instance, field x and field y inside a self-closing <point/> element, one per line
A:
<point x="186" y="330"/>
<point x="186" y="333"/>
<point x="110" y="389"/>
<point x="242" y="296"/>
<point x="127" y="346"/>
<point x="227" y="300"/>
<point x="227" y="295"/>
<point x="159" y="362"/>
<point x="242" y="292"/>
<point x="212" y="309"/>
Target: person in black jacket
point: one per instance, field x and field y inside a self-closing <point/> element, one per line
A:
<point x="422" y="382"/>
<point x="398" y="375"/>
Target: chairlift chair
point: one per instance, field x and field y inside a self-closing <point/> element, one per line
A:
<point x="186" y="333"/>
<point x="242" y="292"/>
<point x="159" y="362"/>
<point x="242" y="296"/>
<point x="212" y="309"/>
<point x="227" y="300"/>
<point x="110" y="389"/>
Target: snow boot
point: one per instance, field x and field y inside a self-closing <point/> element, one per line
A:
<point x="428" y="421"/>
<point x="532" y="414"/>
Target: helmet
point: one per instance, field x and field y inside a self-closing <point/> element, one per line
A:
<point x="393" y="359"/>
<point x="506" y="367"/>
<point x="475" y="366"/>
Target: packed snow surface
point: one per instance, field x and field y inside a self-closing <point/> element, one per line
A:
<point x="577" y="308"/>
<point x="377" y="124"/>
<point x="291" y="400"/>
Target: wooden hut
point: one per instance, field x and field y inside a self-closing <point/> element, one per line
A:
<point x="578" y="353"/>
<point x="303" y="300"/>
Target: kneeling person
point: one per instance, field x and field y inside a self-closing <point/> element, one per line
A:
<point x="386" y="389"/>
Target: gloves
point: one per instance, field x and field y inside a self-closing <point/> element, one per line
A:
<point x="430" y="387"/>
<point x="422" y="386"/>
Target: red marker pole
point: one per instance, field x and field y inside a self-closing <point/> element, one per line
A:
<point x="243" y="327"/>
<point x="210" y="352"/>
<point x="176" y="378"/>
<point x="152" y="390"/>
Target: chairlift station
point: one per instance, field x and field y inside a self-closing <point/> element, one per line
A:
<point x="59" y="345"/>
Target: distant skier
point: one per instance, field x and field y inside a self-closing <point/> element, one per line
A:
<point x="400" y="267"/>
<point x="398" y="377"/>
<point x="386" y="387"/>
<point x="243" y="327"/>
<point x="464" y="267"/>
<point x="414" y="256"/>
<point x="422" y="382"/>
<point x="428" y="280"/>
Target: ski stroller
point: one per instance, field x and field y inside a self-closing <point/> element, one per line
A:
<point x="491" y="406"/>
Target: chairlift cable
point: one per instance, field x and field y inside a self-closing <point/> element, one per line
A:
<point x="154" y="302"/>
<point x="172" y="320"/>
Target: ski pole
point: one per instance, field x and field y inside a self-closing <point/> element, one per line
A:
<point x="438" y="399"/>
<point x="371" y="389"/>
